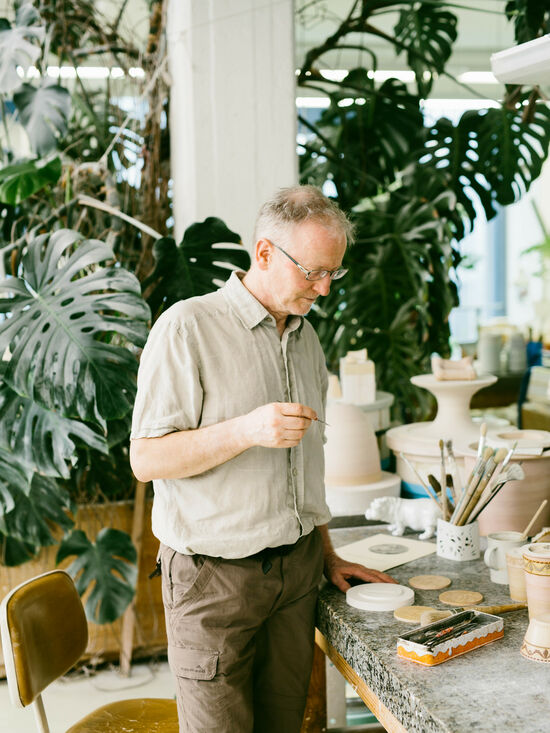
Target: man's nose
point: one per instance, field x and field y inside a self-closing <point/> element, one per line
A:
<point x="323" y="286"/>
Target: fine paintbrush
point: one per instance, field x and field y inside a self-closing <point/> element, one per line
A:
<point x="480" y="449"/>
<point x="443" y="483"/>
<point x="490" y="467"/>
<point x="513" y="473"/>
<point x="455" y="473"/>
<point x="472" y="485"/>
<point x="419" y="477"/>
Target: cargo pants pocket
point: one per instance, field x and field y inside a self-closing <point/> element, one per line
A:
<point x="193" y="664"/>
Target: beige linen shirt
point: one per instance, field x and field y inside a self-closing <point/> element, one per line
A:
<point x="211" y="358"/>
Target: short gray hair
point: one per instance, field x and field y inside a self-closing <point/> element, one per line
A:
<point x="298" y="204"/>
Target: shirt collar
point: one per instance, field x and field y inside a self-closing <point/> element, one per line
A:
<point x="248" y="308"/>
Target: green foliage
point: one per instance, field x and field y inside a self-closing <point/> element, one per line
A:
<point x="65" y="310"/>
<point x="44" y="112"/>
<point x="108" y="567"/>
<point x="19" y="46"/>
<point x="411" y="188"/>
<point x="197" y="266"/>
<point x="21" y="180"/>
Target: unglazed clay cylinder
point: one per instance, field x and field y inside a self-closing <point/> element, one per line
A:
<point x="351" y="451"/>
<point x="536" y="565"/>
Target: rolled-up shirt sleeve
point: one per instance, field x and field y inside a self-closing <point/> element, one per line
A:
<point x="169" y="396"/>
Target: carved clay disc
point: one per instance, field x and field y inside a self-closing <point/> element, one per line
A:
<point x="460" y="597"/>
<point x="429" y="582"/>
<point x="411" y="614"/>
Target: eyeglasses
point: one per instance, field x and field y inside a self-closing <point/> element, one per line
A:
<point x="315" y="274"/>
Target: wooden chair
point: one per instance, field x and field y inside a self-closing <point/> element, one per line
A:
<point x="44" y="634"/>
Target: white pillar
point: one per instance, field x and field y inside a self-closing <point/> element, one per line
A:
<point x="232" y="108"/>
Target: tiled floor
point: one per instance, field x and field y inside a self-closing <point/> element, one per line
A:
<point x="71" y="698"/>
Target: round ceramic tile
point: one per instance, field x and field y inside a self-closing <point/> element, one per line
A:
<point x="429" y="582"/>
<point x="411" y="614"/>
<point x="379" y="596"/>
<point x="460" y="597"/>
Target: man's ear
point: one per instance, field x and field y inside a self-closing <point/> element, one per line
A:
<point x="263" y="253"/>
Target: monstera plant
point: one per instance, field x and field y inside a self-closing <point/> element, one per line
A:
<point x="74" y="320"/>
<point x="412" y="187"/>
<point x="84" y="235"/>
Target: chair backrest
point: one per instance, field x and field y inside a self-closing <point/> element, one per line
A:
<point x="44" y="633"/>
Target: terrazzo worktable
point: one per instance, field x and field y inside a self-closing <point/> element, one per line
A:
<point x="490" y="689"/>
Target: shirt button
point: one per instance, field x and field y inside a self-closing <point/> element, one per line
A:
<point x="294" y="472"/>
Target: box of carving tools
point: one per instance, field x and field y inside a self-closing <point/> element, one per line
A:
<point x="442" y="640"/>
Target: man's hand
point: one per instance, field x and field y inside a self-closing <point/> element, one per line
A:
<point x="278" y="424"/>
<point x="338" y="571"/>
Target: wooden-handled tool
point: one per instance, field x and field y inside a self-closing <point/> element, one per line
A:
<point x="496" y="609"/>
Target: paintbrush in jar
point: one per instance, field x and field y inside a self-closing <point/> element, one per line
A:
<point x="472" y="485"/>
<point x="443" y="483"/>
<point x="453" y="469"/>
<point x="495" y="477"/>
<point x="490" y="467"/>
<point x="513" y="473"/>
<point x="480" y="449"/>
<point x="419" y="477"/>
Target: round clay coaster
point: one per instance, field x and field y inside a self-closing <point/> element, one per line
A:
<point x="460" y="597"/>
<point x="429" y="582"/>
<point x="411" y="614"/>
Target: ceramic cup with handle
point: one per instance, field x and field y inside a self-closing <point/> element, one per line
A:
<point x="498" y="543"/>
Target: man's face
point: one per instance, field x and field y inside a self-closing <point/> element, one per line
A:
<point x="315" y="247"/>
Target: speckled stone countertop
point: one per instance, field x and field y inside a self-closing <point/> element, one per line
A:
<point x="491" y="689"/>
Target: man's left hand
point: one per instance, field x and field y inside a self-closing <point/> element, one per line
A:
<point x="338" y="571"/>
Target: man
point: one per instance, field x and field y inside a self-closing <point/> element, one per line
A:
<point x="227" y="424"/>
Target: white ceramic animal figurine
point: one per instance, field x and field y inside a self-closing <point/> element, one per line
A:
<point x="418" y="514"/>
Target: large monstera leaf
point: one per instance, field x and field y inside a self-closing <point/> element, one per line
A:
<point x="44" y="112"/>
<point x="19" y="46"/>
<point x="364" y="137"/>
<point x="427" y="32"/>
<point x="71" y="321"/>
<point x="108" y="566"/>
<point x="42" y="438"/>
<point x="15" y="476"/>
<point x="492" y="154"/>
<point x="40" y="506"/>
<point x="197" y="266"/>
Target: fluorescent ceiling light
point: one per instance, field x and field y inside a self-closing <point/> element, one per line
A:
<point x="478" y="77"/>
<point x="312" y="102"/>
<point x="527" y="63"/>
<point x="84" y="72"/>
<point x="379" y="75"/>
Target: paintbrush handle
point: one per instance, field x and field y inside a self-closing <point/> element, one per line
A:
<point x="525" y="532"/>
<point x="497" y="609"/>
<point x="481" y="506"/>
<point x="476" y="496"/>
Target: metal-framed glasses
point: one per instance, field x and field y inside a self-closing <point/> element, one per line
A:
<point x="315" y="274"/>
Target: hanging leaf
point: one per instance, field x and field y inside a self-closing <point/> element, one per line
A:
<point x="71" y="321"/>
<point x="40" y="437"/>
<point x="32" y="523"/>
<point x="44" y="112"/>
<point x="511" y="151"/>
<point x="197" y="266"/>
<point x="15" y="477"/>
<point x="428" y="32"/>
<point x="108" y="566"/>
<point x="17" y="47"/>
<point x="23" y="179"/>
<point x="363" y="140"/>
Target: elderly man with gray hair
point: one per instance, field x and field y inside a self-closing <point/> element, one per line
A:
<point x="228" y="425"/>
